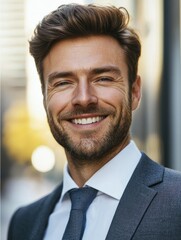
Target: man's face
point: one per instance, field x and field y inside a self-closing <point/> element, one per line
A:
<point x="87" y="97"/>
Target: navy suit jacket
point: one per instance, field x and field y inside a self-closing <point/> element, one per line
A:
<point x="150" y="208"/>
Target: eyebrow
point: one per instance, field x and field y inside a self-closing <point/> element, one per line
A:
<point x="55" y="75"/>
<point x="106" y="69"/>
<point x="94" y="71"/>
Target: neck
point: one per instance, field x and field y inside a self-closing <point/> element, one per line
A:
<point x="81" y="173"/>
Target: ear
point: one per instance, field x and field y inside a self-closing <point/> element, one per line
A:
<point x="136" y="93"/>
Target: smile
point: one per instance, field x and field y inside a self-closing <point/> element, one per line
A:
<point x="84" y="121"/>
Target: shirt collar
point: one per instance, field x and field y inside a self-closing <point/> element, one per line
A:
<point x="113" y="177"/>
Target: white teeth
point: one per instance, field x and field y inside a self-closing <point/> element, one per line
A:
<point x="84" y="121"/>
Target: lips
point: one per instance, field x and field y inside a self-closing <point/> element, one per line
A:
<point x="89" y="120"/>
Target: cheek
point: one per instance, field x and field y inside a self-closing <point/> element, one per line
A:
<point x="113" y="96"/>
<point x="56" y="102"/>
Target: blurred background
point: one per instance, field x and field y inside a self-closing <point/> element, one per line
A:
<point x="31" y="160"/>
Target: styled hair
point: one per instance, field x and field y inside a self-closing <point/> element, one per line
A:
<point x="74" y="20"/>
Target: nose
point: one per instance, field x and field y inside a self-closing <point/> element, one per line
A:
<point x="84" y="94"/>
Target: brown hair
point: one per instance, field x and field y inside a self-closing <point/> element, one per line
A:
<point x="74" y="20"/>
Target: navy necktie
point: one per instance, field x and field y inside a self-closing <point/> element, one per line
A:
<point x="81" y="198"/>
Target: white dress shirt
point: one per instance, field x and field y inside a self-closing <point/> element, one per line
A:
<point x="110" y="181"/>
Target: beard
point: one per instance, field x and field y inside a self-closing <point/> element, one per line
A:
<point x="89" y="149"/>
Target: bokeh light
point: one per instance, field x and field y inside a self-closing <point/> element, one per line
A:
<point x="43" y="159"/>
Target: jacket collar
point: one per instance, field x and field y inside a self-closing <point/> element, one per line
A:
<point x="136" y="199"/>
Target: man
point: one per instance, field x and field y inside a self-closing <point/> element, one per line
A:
<point x="87" y="59"/>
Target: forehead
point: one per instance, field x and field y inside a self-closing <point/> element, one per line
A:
<point x="83" y="54"/>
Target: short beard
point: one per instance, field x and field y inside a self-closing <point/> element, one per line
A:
<point x="90" y="151"/>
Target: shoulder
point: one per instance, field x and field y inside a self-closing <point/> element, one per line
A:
<point x="173" y="175"/>
<point x="166" y="183"/>
<point x="155" y="168"/>
<point x="28" y="218"/>
<point x="172" y="182"/>
<point x="169" y="187"/>
<point x="159" y="177"/>
<point x="47" y="202"/>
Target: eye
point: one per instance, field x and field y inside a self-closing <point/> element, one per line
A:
<point x="62" y="83"/>
<point x="104" y="79"/>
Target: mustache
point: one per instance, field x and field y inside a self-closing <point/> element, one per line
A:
<point x="79" y="110"/>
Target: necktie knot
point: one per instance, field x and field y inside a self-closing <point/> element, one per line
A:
<point x="81" y="198"/>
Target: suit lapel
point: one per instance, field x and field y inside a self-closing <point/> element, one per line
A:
<point x="136" y="199"/>
<point x="40" y="223"/>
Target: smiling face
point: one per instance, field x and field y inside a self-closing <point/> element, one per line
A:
<point x="87" y="97"/>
